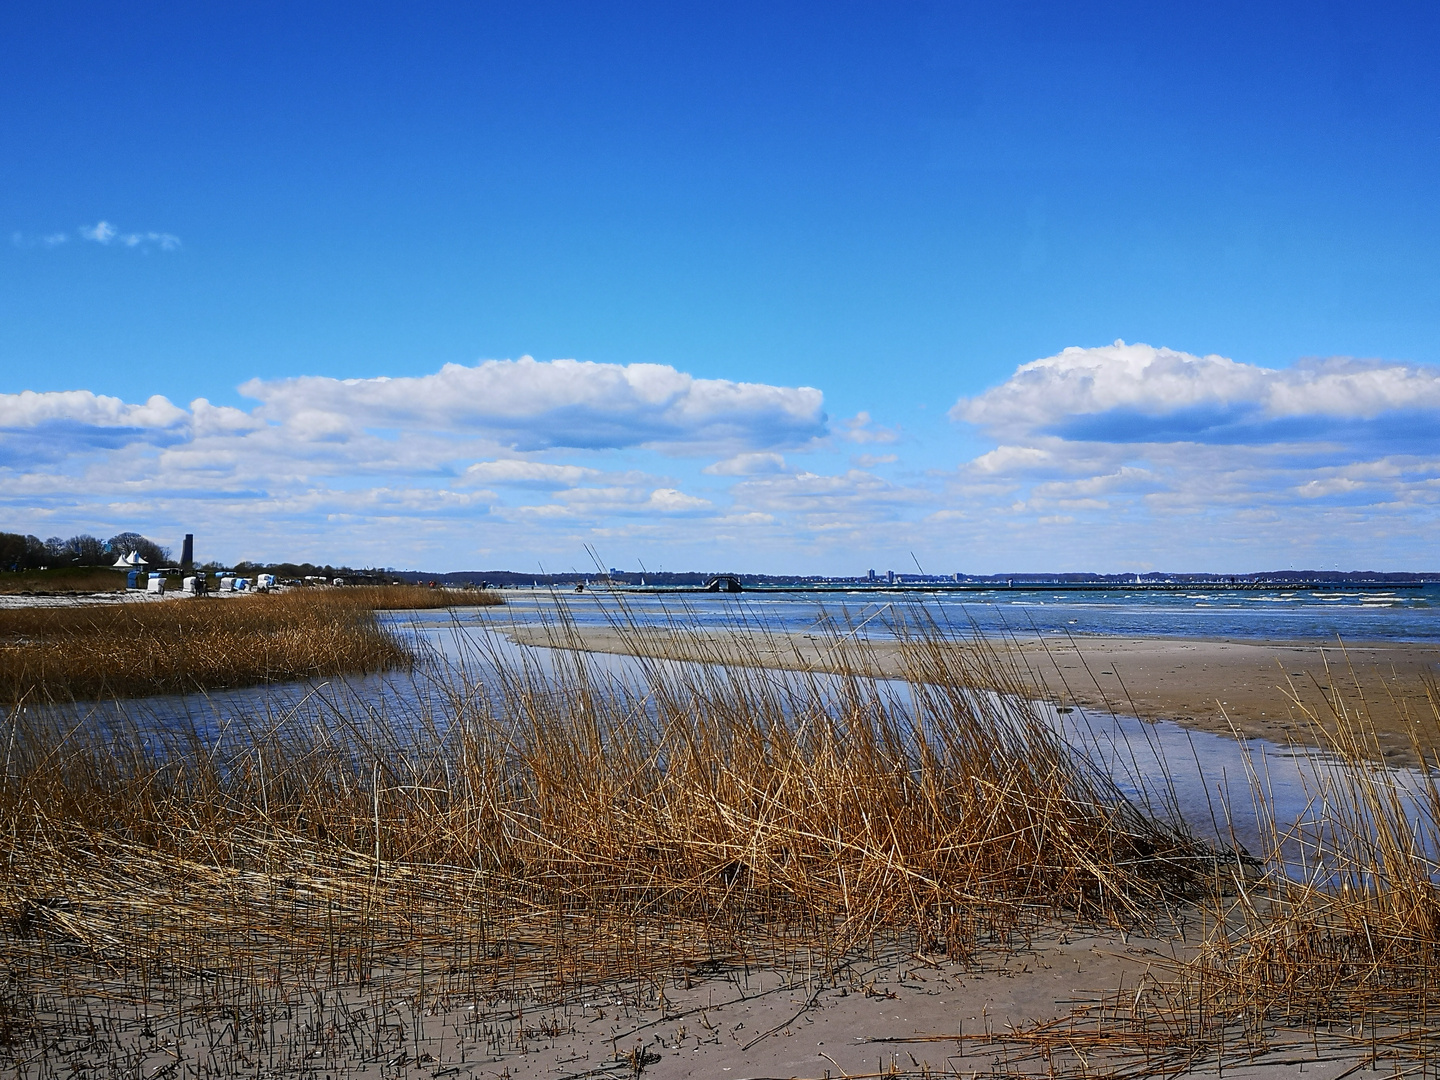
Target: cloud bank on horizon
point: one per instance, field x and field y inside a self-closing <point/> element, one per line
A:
<point x="1118" y="457"/>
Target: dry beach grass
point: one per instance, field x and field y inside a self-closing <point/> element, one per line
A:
<point x="126" y="650"/>
<point x="1282" y="691"/>
<point x="545" y="830"/>
<point x="1341" y="936"/>
<point x="1333" y="946"/>
<point x="433" y="889"/>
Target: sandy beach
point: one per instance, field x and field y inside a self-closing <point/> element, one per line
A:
<point x="1031" y="1010"/>
<point x="1262" y="689"/>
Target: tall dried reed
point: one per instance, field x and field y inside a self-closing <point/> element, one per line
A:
<point x="135" y="649"/>
<point x="1334" y="939"/>
<point x="534" y="818"/>
<point x="1344" y="928"/>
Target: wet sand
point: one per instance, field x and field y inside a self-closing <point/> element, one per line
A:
<point x="1269" y="690"/>
<point x="1262" y="689"/>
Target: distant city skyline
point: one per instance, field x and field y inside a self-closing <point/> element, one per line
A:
<point x="779" y="289"/>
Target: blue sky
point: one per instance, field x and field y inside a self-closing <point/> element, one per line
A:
<point x="832" y="236"/>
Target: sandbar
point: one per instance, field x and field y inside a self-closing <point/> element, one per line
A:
<point x="1273" y="690"/>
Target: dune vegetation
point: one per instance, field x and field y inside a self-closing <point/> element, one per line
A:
<point x="1340" y="936"/>
<point x="525" y="829"/>
<point x="545" y="825"/>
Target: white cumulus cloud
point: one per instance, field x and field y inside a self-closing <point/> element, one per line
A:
<point x="410" y="458"/>
<point x="1133" y="450"/>
<point x="529" y="473"/>
<point x="29" y="409"/>
<point x="1139" y="391"/>
<point x="530" y="405"/>
<point x="1087" y="381"/>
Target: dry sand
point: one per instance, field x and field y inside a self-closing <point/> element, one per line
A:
<point x="82" y="599"/>
<point x="1257" y="688"/>
<point x="890" y="1015"/>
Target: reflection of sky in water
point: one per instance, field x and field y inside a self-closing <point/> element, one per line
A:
<point x="1401" y="614"/>
<point x="1201" y="778"/>
<point x="1211" y="781"/>
<point x="1204" y="779"/>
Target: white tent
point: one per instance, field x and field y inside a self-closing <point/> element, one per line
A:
<point x="133" y="561"/>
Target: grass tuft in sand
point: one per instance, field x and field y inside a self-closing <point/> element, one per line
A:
<point x="1343" y="931"/>
<point x="1335" y="942"/>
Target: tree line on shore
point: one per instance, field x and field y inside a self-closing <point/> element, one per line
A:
<point x="22" y="552"/>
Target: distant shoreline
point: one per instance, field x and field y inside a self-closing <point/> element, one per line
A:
<point x="694" y="581"/>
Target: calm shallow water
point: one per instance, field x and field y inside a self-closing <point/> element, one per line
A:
<point x="1207" y="781"/>
<point x="1278" y="614"/>
<point x="1203" y="779"/>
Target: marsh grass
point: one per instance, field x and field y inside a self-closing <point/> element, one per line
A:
<point x="530" y="829"/>
<point x="1334" y="940"/>
<point x="65" y="579"/>
<point x="536" y="826"/>
<point x="88" y="652"/>
<point x="1343" y="932"/>
<point x="406" y="597"/>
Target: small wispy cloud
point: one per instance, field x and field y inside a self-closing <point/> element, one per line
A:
<point x="869" y="461"/>
<point x="20" y="240"/>
<point x="858" y="429"/>
<point x="102" y="232"/>
<point x="757" y="464"/>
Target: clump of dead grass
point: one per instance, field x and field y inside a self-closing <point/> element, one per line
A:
<point x="1333" y="938"/>
<point x="1343" y="930"/>
<point x="135" y="649"/>
<point x="534" y="820"/>
<point x="411" y="597"/>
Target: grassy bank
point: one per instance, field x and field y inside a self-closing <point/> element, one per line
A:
<point x="138" y="649"/>
<point x="65" y="579"/>
<point x="540" y="833"/>
<point x="530" y="833"/>
<point x="1342" y="933"/>
<point x="1333" y="945"/>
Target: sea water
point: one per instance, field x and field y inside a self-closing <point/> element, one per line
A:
<point x="1401" y="614"/>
